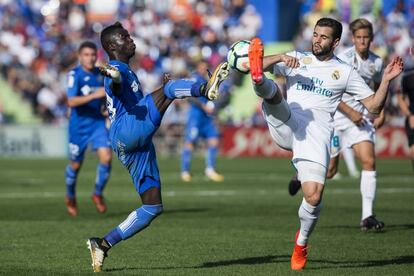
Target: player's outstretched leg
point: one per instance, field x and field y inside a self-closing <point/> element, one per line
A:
<point x="294" y="185"/>
<point x="181" y="88"/>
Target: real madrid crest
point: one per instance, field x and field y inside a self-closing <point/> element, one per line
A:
<point x="335" y="75"/>
<point x="307" y="60"/>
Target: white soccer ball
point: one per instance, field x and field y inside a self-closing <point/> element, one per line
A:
<point x="238" y="56"/>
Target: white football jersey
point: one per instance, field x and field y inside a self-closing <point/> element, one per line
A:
<point x="314" y="90"/>
<point x="319" y="85"/>
<point x="370" y="70"/>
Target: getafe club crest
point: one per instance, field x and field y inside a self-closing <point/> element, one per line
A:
<point x="335" y="75"/>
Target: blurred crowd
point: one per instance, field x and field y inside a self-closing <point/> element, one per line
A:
<point x="39" y="40"/>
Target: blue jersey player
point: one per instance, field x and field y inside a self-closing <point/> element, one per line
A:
<point x="87" y="126"/>
<point x="134" y="120"/>
<point x="201" y="124"/>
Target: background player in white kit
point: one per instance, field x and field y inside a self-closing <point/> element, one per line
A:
<point x="304" y="123"/>
<point x="353" y="125"/>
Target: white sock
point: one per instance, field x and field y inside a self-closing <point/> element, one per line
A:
<point x="308" y="216"/>
<point x="267" y="89"/>
<point x="349" y="158"/>
<point x="368" y="188"/>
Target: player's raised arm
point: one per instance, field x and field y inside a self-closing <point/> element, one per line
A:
<point x="81" y="100"/>
<point x="270" y="61"/>
<point x="112" y="72"/>
<point x="375" y="103"/>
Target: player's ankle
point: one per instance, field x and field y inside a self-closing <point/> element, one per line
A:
<point x="105" y="246"/>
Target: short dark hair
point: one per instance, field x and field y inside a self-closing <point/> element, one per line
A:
<point x="332" y="23"/>
<point x="87" y="44"/>
<point x="108" y="32"/>
<point x="361" y="23"/>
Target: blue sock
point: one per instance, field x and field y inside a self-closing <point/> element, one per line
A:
<point x="70" y="175"/>
<point x="138" y="220"/>
<point x="211" y="157"/>
<point x="181" y="88"/>
<point x="186" y="160"/>
<point x="102" y="176"/>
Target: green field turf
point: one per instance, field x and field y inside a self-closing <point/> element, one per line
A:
<point x="244" y="226"/>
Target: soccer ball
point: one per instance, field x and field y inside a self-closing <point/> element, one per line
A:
<point x="238" y="56"/>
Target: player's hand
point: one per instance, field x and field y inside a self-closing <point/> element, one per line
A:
<point x="111" y="72"/>
<point x="166" y="78"/>
<point x="99" y="93"/>
<point x="378" y="122"/>
<point x="393" y="69"/>
<point x="411" y="121"/>
<point x="209" y="108"/>
<point x="357" y="118"/>
<point x="291" y="62"/>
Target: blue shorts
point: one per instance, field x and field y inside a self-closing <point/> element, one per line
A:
<point x="78" y="143"/>
<point x="200" y="129"/>
<point x="131" y="137"/>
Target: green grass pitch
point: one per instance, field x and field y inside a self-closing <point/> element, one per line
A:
<point x="244" y="226"/>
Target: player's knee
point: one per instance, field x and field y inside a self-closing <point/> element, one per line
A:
<point x="368" y="163"/>
<point x="213" y="142"/>
<point x="189" y="146"/>
<point x="75" y="166"/>
<point x="313" y="199"/>
<point x="149" y="212"/>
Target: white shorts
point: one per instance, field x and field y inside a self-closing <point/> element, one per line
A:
<point x="309" y="171"/>
<point x="302" y="133"/>
<point x="346" y="138"/>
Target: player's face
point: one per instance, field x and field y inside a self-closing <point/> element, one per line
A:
<point x="124" y="43"/>
<point x="362" y="39"/>
<point x="87" y="58"/>
<point x="322" y="41"/>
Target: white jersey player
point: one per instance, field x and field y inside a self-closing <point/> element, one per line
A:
<point x="353" y="125"/>
<point x="304" y="123"/>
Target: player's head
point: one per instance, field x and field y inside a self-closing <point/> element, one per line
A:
<point x="326" y="36"/>
<point x="87" y="55"/>
<point x="117" y="42"/>
<point x="362" y="34"/>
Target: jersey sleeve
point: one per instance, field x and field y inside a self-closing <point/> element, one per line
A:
<point x="72" y="84"/>
<point x="281" y="68"/>
<point x="357" y="87"/>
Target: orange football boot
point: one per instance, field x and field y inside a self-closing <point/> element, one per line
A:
<point x="299" y="256"/>
<point x="99" y="203"/>
<point x="71" y="206"/>
<point x="256" y="50"/>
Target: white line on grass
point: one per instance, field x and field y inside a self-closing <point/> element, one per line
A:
<point x="205" y="193"/>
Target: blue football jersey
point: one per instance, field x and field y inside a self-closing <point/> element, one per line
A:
<point x="130" y="95"/>
<point x="85" y="118"/>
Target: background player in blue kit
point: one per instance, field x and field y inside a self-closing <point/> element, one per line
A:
<point x="201" y="124"/>
<point x="87" y="126"/>
<point x="134" y="120"/>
